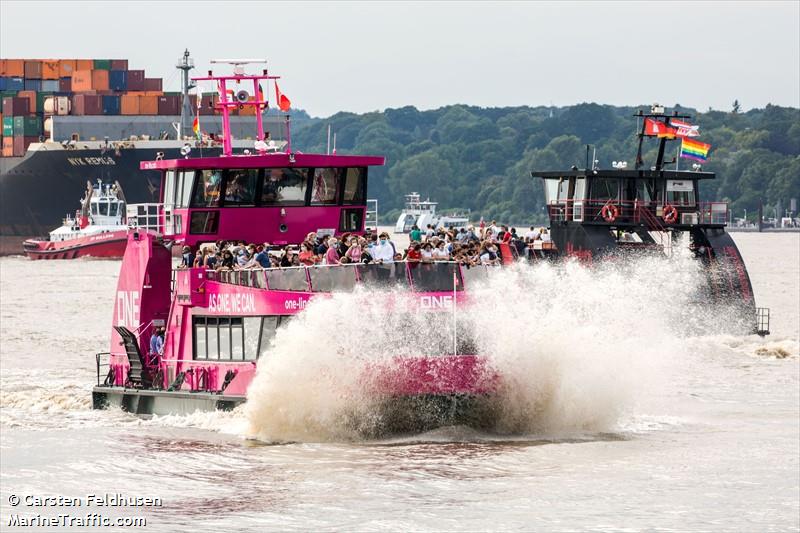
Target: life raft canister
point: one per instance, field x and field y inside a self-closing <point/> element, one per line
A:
<point x="610" y="212"/>
<point x="670" y="214"/>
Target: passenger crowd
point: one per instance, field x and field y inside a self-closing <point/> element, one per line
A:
<point x="467" y="246"/>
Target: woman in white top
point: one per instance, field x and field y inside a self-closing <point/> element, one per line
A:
<point x="440" y="253"/>
<point x="427" y="252"/>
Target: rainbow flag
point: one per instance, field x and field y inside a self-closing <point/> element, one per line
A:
<point x="196" y="126"/>
<point x="694" y="149"/>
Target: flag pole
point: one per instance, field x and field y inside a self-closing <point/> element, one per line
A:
<point x="678" y="155"/>
<point x="455" y="334"/>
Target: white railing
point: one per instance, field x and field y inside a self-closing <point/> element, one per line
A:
<point x="149" y="217"/>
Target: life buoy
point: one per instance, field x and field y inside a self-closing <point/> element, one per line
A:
<point x="610" y="212"/>
<point x="670" y="214"/>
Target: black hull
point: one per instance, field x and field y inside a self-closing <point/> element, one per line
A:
<point x="46" y="185"/>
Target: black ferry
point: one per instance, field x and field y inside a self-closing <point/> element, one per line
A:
<point x="598" y="214"/>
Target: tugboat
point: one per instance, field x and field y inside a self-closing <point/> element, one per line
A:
<point x="218" y="324"/>
<point x="420" y="213"/>
<point x="98" y="229"/>
<point x="598" y="214"/>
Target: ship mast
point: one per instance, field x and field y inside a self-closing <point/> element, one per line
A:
<point x="186" y="64"/>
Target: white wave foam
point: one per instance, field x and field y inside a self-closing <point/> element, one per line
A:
<point x="575" y="347"/>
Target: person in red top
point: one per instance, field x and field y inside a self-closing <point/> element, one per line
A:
<point x="414" y="254"/>
<point x="306" y="255"/>
<point x="507" y="234"/>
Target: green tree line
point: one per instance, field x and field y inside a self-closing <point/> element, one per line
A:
<point x="480" y="159"/>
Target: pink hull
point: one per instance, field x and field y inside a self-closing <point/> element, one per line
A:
<point x="103" y="245"/>
<point x="441" y="375"/>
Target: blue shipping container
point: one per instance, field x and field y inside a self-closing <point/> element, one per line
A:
<point x="111" y="105"/>
<point x="49" y="86"/>
<point x="33" y="85"/>
<point x="118" y="80"/>
<point x="14" y="84"/>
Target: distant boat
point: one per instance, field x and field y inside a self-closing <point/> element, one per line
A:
<point x="423" y="212"/>
<point x="98" y="229"/>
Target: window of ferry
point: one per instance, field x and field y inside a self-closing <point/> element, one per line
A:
<point x="237" y="339"/>
<point x="112" y="209"/>
<point x="169" y="187"/>
<point x="241" y="187"/>
<point x="354" y="185"/>
<point x="605" y="189"/>
<point x="206" y="192"/>
<point x="326" y="186"/>
<point x="268" y="326"/>
<point x="183" y="192"/>
<point x="212" y="343"/>
<point x="680" y="192"/>
<point x="104" y="208"/>
<point x="551" y="190"/>
<point x="252" y="330"/>
<point x="94" y="208"/>
<point x="645" y="190"/>
<point x="284" y="186"/>
<point x="224" y="330"/>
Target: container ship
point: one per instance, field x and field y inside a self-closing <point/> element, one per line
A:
<point x="66" y="121"/>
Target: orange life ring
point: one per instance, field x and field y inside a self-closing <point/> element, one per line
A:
<point x="670" y="214"/>
<point x="610" y="212"/>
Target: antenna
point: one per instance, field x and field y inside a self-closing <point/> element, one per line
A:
<point x="328" y="151"/>
<point x="185" y="64"/>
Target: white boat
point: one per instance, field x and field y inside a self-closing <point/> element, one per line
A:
<point x="423" y="212"/>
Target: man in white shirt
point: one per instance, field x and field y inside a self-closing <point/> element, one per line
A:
<point x="383" y="251"/>
<point x="532" y="234"/>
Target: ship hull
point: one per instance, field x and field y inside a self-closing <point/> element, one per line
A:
<point x="37" y="192"/>
<point x="105" y="245"/>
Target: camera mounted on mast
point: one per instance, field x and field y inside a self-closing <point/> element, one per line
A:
<point x="231" y="99"/>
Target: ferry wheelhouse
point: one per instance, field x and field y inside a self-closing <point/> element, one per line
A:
<point x="98" y="229"/>
<point x="421" y="213"/>
<point x="219" y="323"/>
<point x="600" y="213"/>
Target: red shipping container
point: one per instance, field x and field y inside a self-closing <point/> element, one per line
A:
<point x="148" y="105"/>
<point x="31" y="97"/>
<point x="87" y="104"/>
<point x="84" y="64"/>
<point x="82" y="81"/>
<point x="152" y="84"/>
<point x="136" y="80"/>
<point x="65" y="85"/>
<point x="33" y="70"/>
<point x="15" y="106"/>
<point x="50" y="69"/>
<point x="66" y="67"/>
<point x="8" y="146"/>
<point x="168" y="105"/>
<point x="208" y="103"/>
<point x="15" y="68"/>
<point x="100" y="80"/>
<point x="119" y="64"/>
<point x="3" y="67"/>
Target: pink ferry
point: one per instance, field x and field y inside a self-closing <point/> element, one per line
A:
<point x="98" y="229"/>
<point x="219" y="323"/>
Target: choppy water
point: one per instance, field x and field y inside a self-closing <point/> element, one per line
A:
<point x="612" y="420"/>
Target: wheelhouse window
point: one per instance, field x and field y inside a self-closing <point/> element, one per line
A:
<point x="354" y="186"/>
<point x="94" y="208"/>
<point x="645" y="190"/>
<point x="207" y="190"/>
<point x="284" y="186"/>
<point x="103" y="208"/>
<point x="605" y="189"/>
<point x="183" y="190"/>
<point x="551" y="190"/>
<point x="326" y="186"/>
<point x="240" y="188"/>
<point x="680" y="192"/>
<point x="113" y="209"/>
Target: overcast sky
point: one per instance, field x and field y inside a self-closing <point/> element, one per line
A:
<point x="365" y="56"/>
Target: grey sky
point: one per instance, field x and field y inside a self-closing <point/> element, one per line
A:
<point x="363" y="56"/>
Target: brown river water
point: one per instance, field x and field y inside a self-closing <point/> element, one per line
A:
<point x="621" y="417"/>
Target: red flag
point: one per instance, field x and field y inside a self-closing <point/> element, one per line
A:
<point x="658" y="129"/>
<point x="283" y="102"/>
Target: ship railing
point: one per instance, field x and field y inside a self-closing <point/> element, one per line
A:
<point x="98" y="361"/>
<point x="653" y="214"/>
<point x="155" y="217"/>
<point x="419" y="276"/>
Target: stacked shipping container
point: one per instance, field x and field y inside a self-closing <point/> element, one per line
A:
<point x="32" y="90"/>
